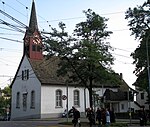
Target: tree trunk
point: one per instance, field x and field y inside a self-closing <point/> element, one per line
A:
<point x="90" y="93"/>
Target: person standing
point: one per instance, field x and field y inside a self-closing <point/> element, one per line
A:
<point x="112" y="116"/>
<point x="107" y="118"/>
<point x="98" y="116"/>
<point x="103" y="115"/>
<point x="76" y="117"/>
<point x="142" y="117"/>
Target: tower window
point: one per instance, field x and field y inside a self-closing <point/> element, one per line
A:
<point x="38" y="48"/>
<point x="33" y="47"/>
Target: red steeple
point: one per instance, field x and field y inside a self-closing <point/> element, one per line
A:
<point x="32" y="39"/>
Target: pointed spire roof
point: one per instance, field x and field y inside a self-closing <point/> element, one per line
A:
<point x="33" y="19"/>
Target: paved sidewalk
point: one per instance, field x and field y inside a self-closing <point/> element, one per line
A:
<point x="136" y="125"/>
<point x="134" y="122"/>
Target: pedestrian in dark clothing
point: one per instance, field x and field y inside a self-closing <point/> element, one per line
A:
<point x="112" y="116"/>
<point x="103" y="114"/>
<point x="142" y="117"/>
<point x="76" y="117"/>
<point x="98" y="116"/>
<point x="91" y="116"/>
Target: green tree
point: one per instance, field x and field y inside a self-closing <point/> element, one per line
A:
<point x="7" y="91"/>
<point x="139" y="23"/>
<point x="85" y="56"/>
<point x="5" y="99"/>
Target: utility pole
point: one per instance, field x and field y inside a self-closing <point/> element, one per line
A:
<point x="148" y="71"/>
<point x="67" y="99"/>
<point x="129" y="105"/>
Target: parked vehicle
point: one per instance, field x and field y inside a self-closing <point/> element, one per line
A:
<point x="5" y="118"/>
<point x="70" y="113"/>
<point x="1" y="118"/>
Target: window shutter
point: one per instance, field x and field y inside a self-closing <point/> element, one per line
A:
<point x="28" y="74"/>
<point x="22" y="75"/>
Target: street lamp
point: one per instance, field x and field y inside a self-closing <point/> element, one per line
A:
<point x="129" y="105"/>
<point x="147" y="54"/>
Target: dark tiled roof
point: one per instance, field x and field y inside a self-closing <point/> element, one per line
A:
<point x="46" y="70"/>
<point x="114" y="96"/>
<point x="124" y="87"/>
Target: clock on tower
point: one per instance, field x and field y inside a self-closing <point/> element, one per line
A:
<point x="36" y="39"/>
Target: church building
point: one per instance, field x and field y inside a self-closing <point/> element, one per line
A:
<point x="37" y="91"/>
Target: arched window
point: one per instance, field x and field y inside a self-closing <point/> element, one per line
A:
<point x="18" y="100"/>
<point x="32" y="99"/>
<point x="58" y="98"/>
<point x="76" y="98"/>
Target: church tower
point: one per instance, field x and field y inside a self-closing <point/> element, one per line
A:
<point x="32" y="38"/>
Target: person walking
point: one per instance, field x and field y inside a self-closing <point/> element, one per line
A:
<point x="98" y="116"/>
<point x="91" y="116"/>
<point x="76" y="117"/>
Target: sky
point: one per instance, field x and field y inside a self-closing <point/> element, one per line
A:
<point x="70" y="12"/>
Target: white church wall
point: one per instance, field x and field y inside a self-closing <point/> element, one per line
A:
<point x="25" y="86"/>
<point x="48" y="97"/>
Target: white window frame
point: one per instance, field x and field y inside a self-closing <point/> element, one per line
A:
<point x="58" y="98"/>
<point x="76" y="95"/>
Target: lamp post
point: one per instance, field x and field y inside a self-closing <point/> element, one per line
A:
<point x="148" y="71"/>
<point x="67" y="99"/>
<point x="129" y="105"/>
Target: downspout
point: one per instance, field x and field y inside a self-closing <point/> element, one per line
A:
<point x="85" y="100"/>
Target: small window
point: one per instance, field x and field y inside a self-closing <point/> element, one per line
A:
<point x="38" y="48"/>
<point x="142" y="96"/>
<point x="122" y="106"/>
<point x="25" y="74"/>
<point x="18" y="100"/>
<point x="24" y="102"/>
<point x="33" y="47"/>
<point x="58" y="98"/>
<point x="33" y="99"/>
<point x="76" y="98"/>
